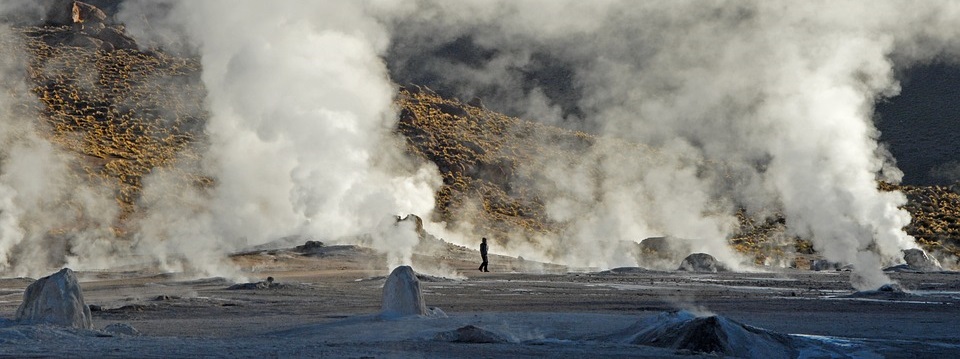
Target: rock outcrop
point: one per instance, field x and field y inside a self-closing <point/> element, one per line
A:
<point x="701" y="262"/>
<point x="90" y="26"/>
<point x="56" y="300"/>
<point x="919" y="260"/>
<point x="662" y="252"/>
<point x="401" y="294"/>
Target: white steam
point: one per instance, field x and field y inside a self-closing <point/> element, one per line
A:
<point x="301" y="130"/>
<point x="761" y="104"/>
<point x="49" y="216"/>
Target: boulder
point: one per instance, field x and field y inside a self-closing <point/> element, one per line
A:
<point x="701" y="262"/>
<point x="116" y="37"/>
<point x="654" y="245"/>
<point x="662" y="252"/>
<point x="919" y="260"/>
<point x="59" y="13"/>
<point x="80" y="40"/>
<point x="86" y="14"/>
<point x="56" y="300"/>
<point x="471" y="334"/>
<point x="401" y="294"/>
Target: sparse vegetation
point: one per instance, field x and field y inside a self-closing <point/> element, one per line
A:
<point x="125" y="113"/>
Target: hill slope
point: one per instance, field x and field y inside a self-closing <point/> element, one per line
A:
<point x="124" y="113"/>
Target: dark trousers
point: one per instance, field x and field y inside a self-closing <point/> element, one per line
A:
<point x="483" y="266"/>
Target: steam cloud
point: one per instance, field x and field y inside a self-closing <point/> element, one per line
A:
<point x="48" y="216"/>
<point x="754" y="104"/>
<point x="301" y="129"/>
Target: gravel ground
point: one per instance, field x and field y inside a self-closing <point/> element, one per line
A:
<point x="326" y="306"/>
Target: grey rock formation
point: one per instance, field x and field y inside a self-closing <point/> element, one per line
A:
<point x="401" y="294"/>
<point x="55" y="299"/>
<point x="701" y="262"/>
<point x="919" y="260"/>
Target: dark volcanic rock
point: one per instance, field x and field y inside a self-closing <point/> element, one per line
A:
<point x="701" y="262"/>
<point x="116" y="38"/>
<point x="267" y="284"/>
<point x="471" y="334"/>
<point x="55" y="299"/>
<point x="309" y="247"/>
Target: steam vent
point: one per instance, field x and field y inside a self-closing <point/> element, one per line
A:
<point x="120" y="114"/>
<point x="243" y="178"/>
<point x="401" y="294"/>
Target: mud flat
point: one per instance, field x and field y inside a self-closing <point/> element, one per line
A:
<point x="327" y="306"/>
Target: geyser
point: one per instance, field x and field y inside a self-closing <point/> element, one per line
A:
<point x="750" y="104"/>
<point x="300" y="124"/>
<point x="401" y="294"/>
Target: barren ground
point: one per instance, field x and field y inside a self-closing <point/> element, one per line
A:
<point x="325" y="304"/>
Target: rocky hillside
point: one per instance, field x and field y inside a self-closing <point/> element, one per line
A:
<point x="478" y="153"/>
<point x="124" y="113"/>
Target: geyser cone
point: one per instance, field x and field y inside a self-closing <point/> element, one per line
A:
<point x="712" y="334"/>
<point x="401" y="294"/>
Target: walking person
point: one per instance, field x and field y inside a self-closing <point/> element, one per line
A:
<point x="483" y="255"/>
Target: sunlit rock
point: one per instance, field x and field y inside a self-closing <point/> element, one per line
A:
<point x="402" y="295"/>
<point x="56" y="300"/>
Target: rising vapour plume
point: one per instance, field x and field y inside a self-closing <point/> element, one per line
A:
<point x="49" y="216"/>
<point x="764" y="105"/>
<point x="301" y="128"/>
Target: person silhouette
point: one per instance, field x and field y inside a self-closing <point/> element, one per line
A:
<point x="483" y="255"/>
